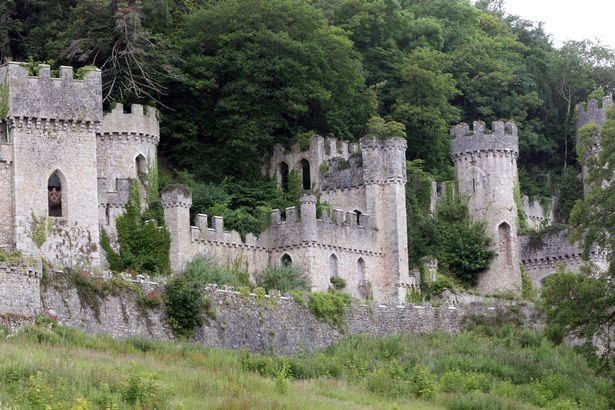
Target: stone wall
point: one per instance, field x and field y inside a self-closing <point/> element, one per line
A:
<point x="7" y="198"/>
<point x="543" y="253"/>
<point x="536" y="215"/>
<point x="275" y="324"/>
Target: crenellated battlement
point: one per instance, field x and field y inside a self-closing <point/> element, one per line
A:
<point x="593" y="112"/>
<point x="45" y="98"/>
<point x="502" y="138"/>
<point x="141" y="121"/>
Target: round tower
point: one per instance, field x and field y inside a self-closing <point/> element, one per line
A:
<point x="486" y="168"/>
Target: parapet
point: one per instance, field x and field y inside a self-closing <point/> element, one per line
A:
<point x="176" y="196"/>
<point x="43" y="97"/>
<point x="593" y="113"/>
<point x="501" y="138"/>
<point x="140" y="121"/>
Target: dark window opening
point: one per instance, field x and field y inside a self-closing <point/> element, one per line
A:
<point x="305" y="173"/>
<point x="286" y="260"/>
<point x="54" y="195"/>
<point x="284" y="176"/>
<point x="141" y="167"/>
<point x="473" y="185"/>
<point x="362" y="285"/>
<point x="358" y="216"/>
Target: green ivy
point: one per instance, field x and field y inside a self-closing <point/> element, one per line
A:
<point x="523" y="227"/>
<point x="40" y="228"/>
<point x="4" y="99"/>
<point x="144" y="246"/>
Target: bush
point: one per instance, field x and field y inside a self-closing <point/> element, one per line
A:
<point x="338" y="282"/>
<point x="283" y="278"/>
<point x="330" y="307"/>
<point x="185" y="305"/>
<point x="204" y="270"/>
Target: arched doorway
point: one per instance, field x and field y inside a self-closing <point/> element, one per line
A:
<point x="332" y="266"/>
<point x="286" y="260"/>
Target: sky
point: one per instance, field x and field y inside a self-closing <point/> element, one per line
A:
<point x="568" y="19"/>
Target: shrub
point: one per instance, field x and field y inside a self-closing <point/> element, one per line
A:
<point x="204" y="270"/>
<point x="330" y="307"/>
<point x="283" y="278"/>
<point x="185" y="305"/>
<point x="338" y="282"/>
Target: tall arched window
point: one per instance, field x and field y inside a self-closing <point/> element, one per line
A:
<point x="361" y="280"/>
<point x="283" y="170"/>
<point x="141" y="166"/>
<point x="54" y="194"/>
<point x="505" y="244"/>
<point x="286" y="260"/>
<point x="305" y="173"/>
<point x="332" y="266"/>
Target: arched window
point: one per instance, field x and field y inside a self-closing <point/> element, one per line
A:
<point x="361" y="280"/>
<point x="305" y="173"/>
<point x="504" y="241"/>
<point x="286" y="260"/>
<point x="332" y="266"/>
<point x="54" y="194"/>
<point x="283" y="169"/>
<point x="356" y="211"/>
<point x="141" y="166"/>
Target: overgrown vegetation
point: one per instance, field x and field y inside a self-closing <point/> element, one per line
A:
<point x="205" y="270"/>
<point x="330" y="307"/>
<point x="284" y="278"/>
<point x="143" y="242"/>
<point x="490" y="367"/>
<point x="187" y="306"/>
<point x="54" y="367"/>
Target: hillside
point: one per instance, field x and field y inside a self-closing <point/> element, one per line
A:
<point x="47" y="366"/>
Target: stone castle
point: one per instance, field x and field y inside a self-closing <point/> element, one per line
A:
<point x="66" y="169"/>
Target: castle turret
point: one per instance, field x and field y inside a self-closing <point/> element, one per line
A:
<point x="126" y="149"/>
<point x="307" y="208"/>
<point x="486" y="167"/>
<point x="176" y="201"/>
<point x="384" y="171"/>
<point x="49" y="145"/>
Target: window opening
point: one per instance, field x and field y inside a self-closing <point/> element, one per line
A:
<point x="332" y="266"/>
<point x="305" y="173"/>
<point x="284" y="176"/>
<point x="505" y="242"/>
<point x="54" y="195"/>
<point x="286" y="260"/>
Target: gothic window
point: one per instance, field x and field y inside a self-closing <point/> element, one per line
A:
<point x="283" y="170"/>
<point x="54" y="194"/>
<point x="505" y="244"/>
<point x="141" y="166"/>
<point x="332" y="266"/>
<point x="361" y="281"/>
<point x="286" y="260"/>
<point x="305" y="174"/>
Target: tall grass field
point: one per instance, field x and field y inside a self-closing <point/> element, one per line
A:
<point x="47" y="366"/>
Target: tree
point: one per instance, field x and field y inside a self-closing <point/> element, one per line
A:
<point x="584" y="305"/>
<point x="258" y="73"/>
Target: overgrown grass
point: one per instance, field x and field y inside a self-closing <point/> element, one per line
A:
<point x="53" y="367"/>
<point x="491" y="367"/>
<point x="205" y="270"/>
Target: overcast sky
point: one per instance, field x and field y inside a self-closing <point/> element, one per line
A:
<point x="568" y="19"/>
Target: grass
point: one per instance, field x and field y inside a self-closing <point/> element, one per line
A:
<point x="50" y="365"/>
<point x="46" y="366"/>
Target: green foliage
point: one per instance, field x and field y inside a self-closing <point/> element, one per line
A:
<point x="380" y="128"/>
<point x="284" y="278"/>
<point x="330" y="307"/>
<point x="11" y="257"/>
<point x="4" y="99"/>
<point x="144" y="246"/>
<point x="39" y="229"/>
<point x="205" y="270"/>
<point x="186" y="305"/>
<point x="527" y="288"/>
<point x="523" y="227"/>
<point x="83" y="71"/>
<point x="465" y="246"/>
<point x="492" y="366"/>
<point x="338" y="282"/>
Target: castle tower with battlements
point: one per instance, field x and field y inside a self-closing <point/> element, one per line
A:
<point x="65" y="168"/>
<point x="486" y="169"/>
